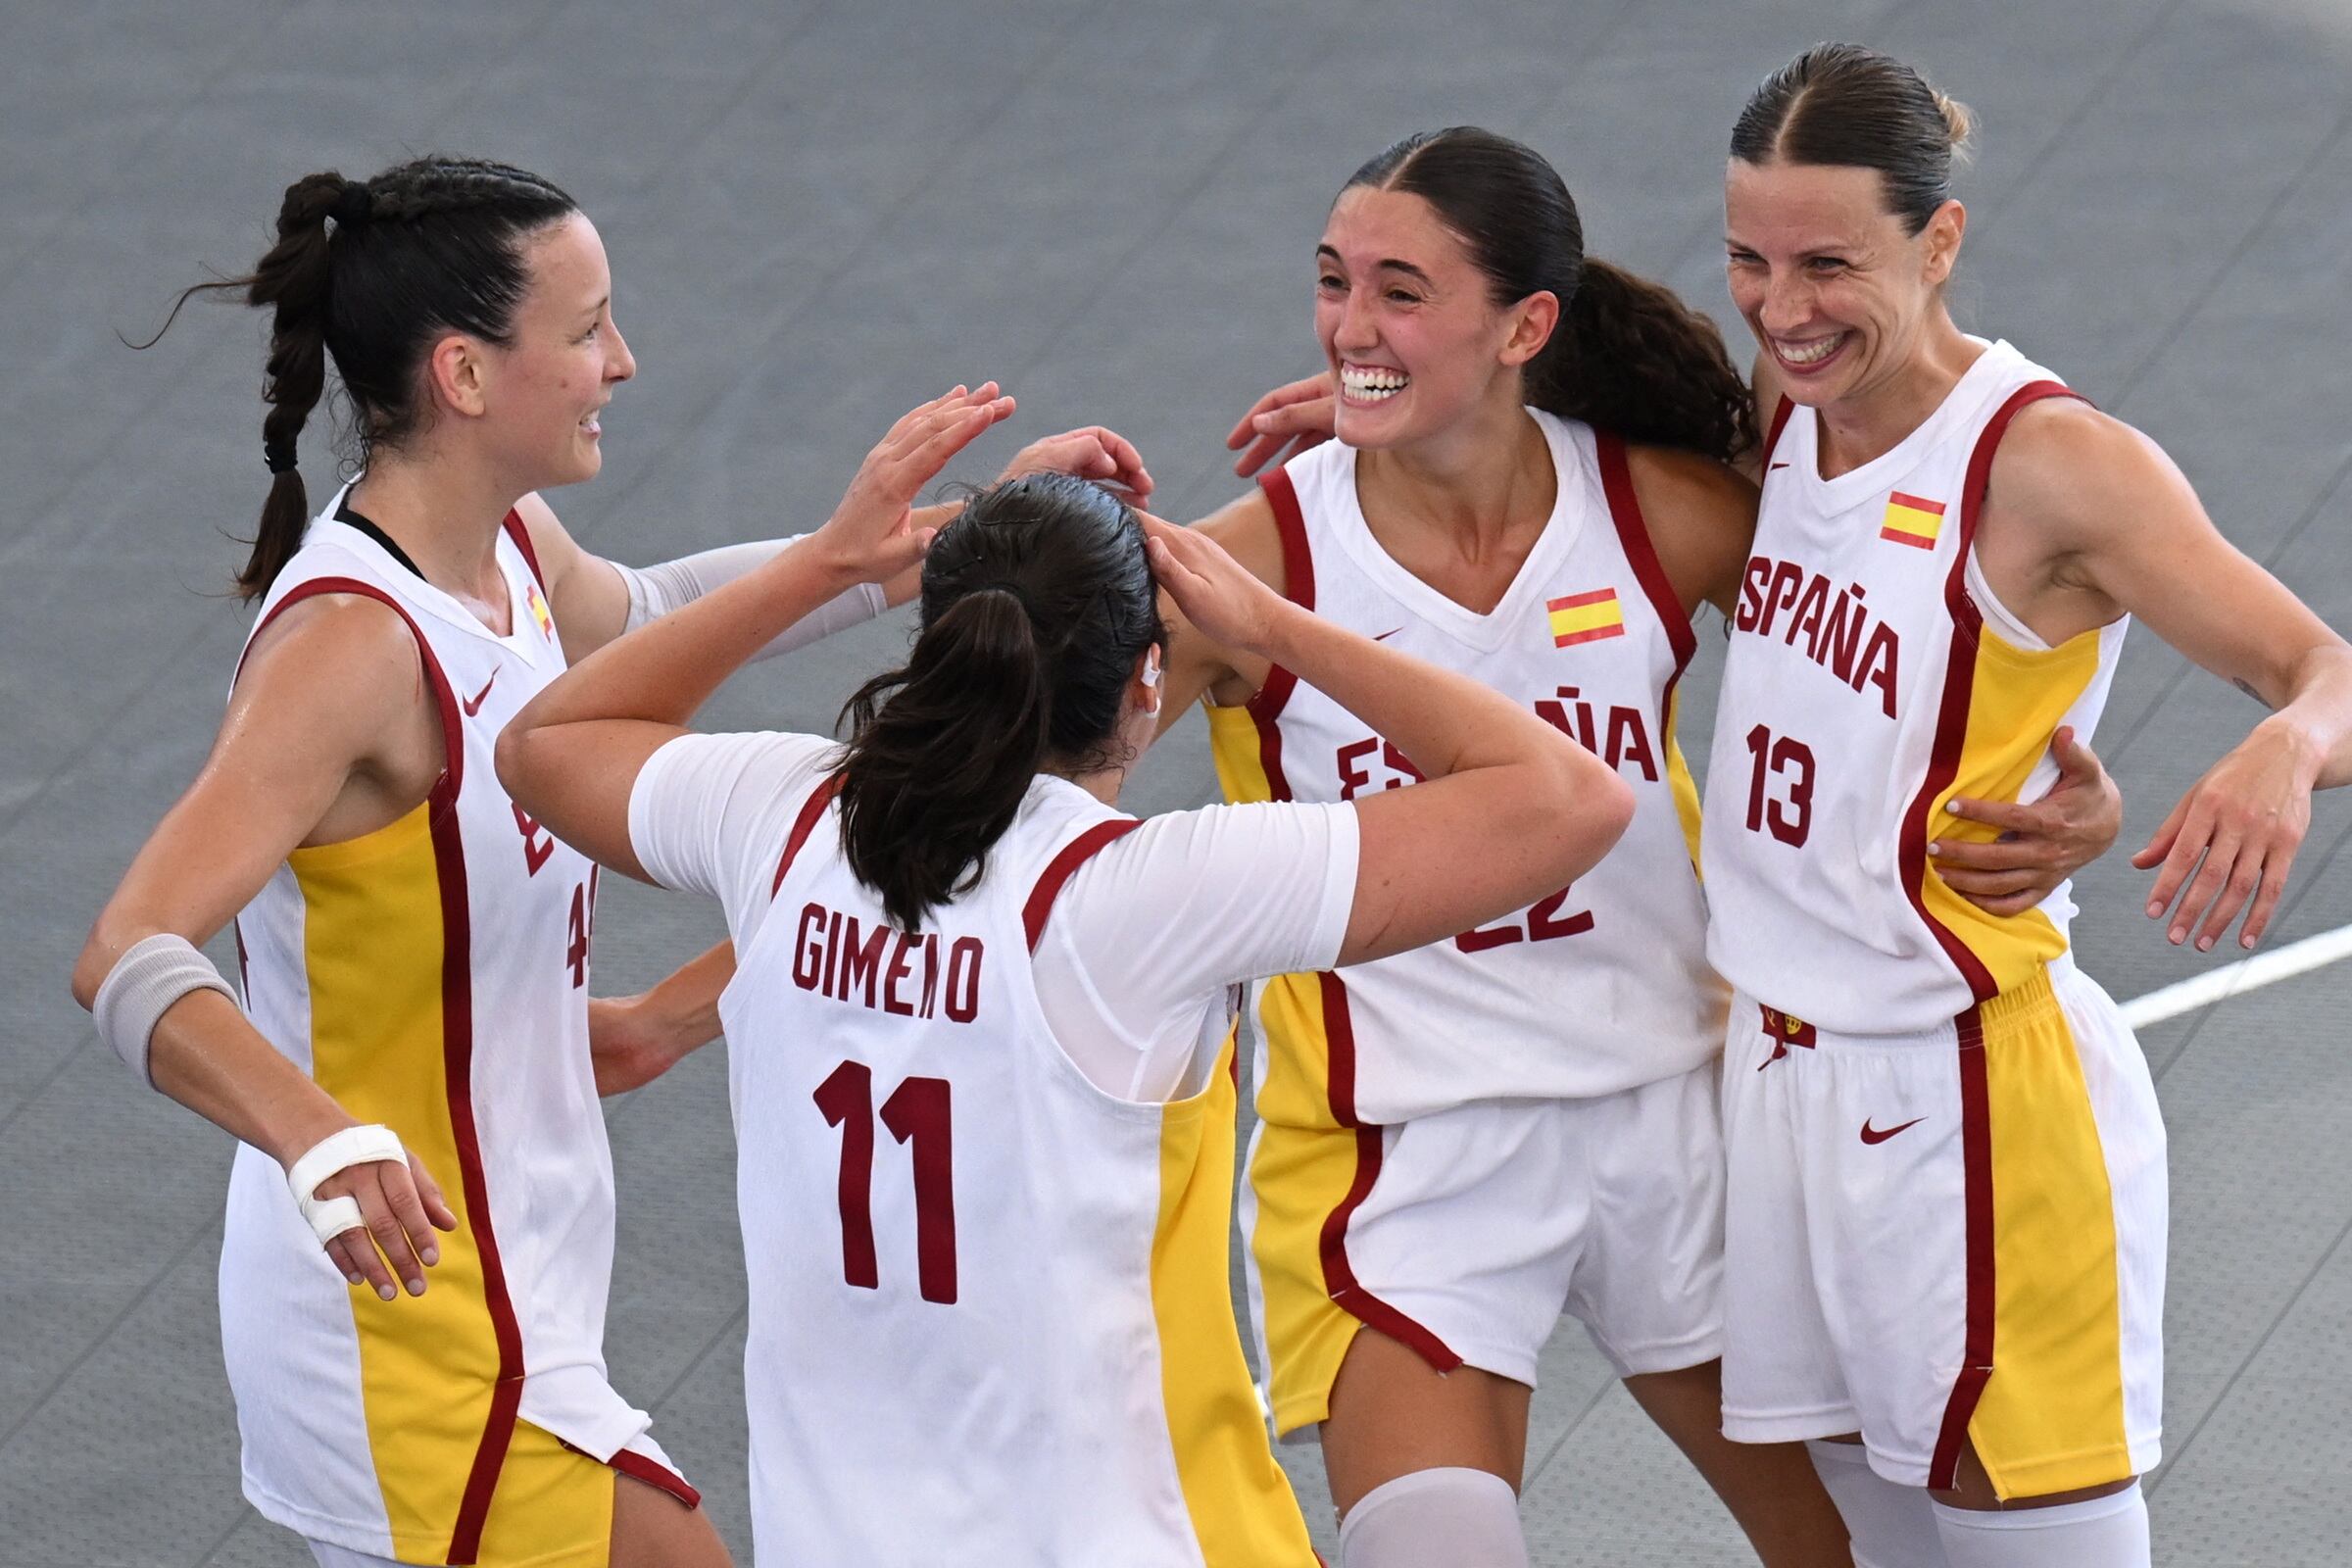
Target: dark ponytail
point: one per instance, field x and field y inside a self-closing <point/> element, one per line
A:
<point x="1627" y="355"/>
<point x="1037" y="602"/>
<point x="428" y="247"/>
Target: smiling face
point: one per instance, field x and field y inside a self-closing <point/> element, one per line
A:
<point x="546" y="387"/>
<point x="1838" y="295"/>
<point x="1409" y="322"/>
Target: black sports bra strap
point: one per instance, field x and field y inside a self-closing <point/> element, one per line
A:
<point x="344" y="514"/>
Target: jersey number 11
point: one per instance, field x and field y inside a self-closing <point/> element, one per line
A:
<point x="917" y="1115"/>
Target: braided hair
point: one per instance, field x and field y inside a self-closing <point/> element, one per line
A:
<point x="371" y="272"/>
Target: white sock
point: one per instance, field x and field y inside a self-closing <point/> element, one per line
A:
<point x="2110" y="1532"/>
<point x="1462" y="1518"/>
<point x="1893" y="1526"/>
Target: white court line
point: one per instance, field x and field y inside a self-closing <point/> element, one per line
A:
<point x="2247" y="974"/>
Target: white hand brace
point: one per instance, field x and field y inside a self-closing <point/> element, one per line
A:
<point x="657" y="590"/>
<point x="338" y="1151"/>
<point x="151" y="975"/>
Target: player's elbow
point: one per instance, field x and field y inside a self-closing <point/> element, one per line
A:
<point x="518" y="761"/>
<point x="1594" y="807"/>
<point x="99" y="954"/>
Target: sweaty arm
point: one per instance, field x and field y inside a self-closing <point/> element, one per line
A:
<point x="2087" y="520"/>
<point x="330" y="733"/>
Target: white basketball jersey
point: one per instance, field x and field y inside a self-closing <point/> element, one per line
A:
<point x="433" y="976"/>
<point x="989" y="1320"/>
<point x="1597" y="988"/>
<point x="1871" y="676"/>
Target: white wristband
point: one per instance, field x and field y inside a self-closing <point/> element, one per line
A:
<point x="657" y="590"/>
<point x="338" y="1151"/>
<point x="155" y="972"/>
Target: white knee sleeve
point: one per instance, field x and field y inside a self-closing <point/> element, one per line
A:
<point x="2110" y="1532"/>
<point x="1463" y="1518"/>
<point x="1893" y="1526"/>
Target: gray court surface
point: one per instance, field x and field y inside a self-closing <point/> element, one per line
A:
<point x="818" y="215"/>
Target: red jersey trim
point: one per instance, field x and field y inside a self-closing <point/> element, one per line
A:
<point x="1976" y="1155"/>
<point x="457" y="1061"/>
<point x="1299" y="587"/>
<point x="522" y="542"/>
<point x="1074" y="854"/>
<point x="453" y="733"/>
<point x="1633" y="536"/>
<point x="637" y="1467"/>
<point x="1959" y="679"/>
<point x="1290" y="522"/>
<point x="1772" y="436"/>
<point x="1339" y="1274"/>
<point x="815" y="808"/>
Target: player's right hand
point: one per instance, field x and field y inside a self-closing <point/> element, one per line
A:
<point x="869" y="538"/>
<point x="1285" y="422"/>
<point x="1213" y="591"/>
<point x="400" y="1208"/>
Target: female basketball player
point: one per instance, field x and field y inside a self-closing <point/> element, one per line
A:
<point x="952" y="931"/>
<point x="1946" y="1217"/>
<point x="1451" y="1209"/>
<point x="415" y="947"/>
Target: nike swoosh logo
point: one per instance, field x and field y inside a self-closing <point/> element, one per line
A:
<point x="1776" y="468"/>
<point x="473" y="704"/>
<point x="1386" y="635"/>
<point x="1871" y="1135"/>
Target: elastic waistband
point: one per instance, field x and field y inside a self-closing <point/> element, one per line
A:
<point x="2037" y="993"/>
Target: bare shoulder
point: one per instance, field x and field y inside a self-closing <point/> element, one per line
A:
<point x="2076" y="476"/>
<point x="551" y="542"/>
<point x="1246" y="529"/>
<point x="1701" y="518"/>
<point x="344" y="668"/>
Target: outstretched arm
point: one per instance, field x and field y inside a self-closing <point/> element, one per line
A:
<point x="2126" y="534"/>
<point x="571" y="757"/>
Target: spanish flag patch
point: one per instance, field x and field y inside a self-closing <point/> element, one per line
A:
<point x="1912" y="522"/>
<point x="1586" y="617"/>
<point x="547" y="623"/>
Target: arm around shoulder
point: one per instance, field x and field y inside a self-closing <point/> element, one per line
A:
<point x="1701" y="516"/>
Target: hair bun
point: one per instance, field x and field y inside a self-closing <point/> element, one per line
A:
<point x="354" y="205"/>
<point x="1959" y="122"/>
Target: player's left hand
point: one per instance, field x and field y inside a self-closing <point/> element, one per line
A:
<point x="1090" y="452"/>
<point x="626" y="1046"/>
<point x="869" y="538"/>
<point x="2040" y="845"/>
<point x="2245" y="819"/>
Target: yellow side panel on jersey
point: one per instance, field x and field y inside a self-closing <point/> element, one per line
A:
<point x="1233" y="743"/>
<point x="1241" y="1505"/>
<point x="1677" y="777"/>
<point x="1302" y="1173"/>
<point x="373" y="956"/>
<point x="2018" y="699"/>
<point x="2056" y="1392"/>
<point x="554" y="1507"/>
<point x="1306" y="1162"/>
